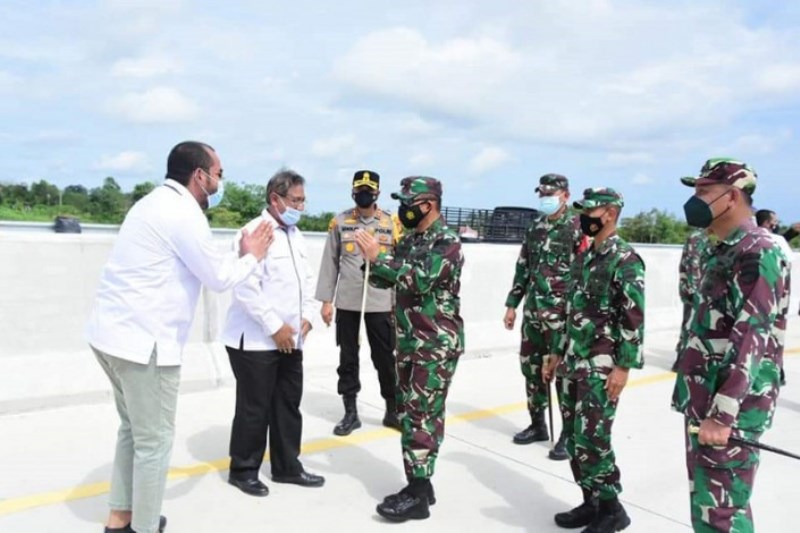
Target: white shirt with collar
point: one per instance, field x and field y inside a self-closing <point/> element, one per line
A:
<point x="149" y="287"/>
<point x="280" y="291"/>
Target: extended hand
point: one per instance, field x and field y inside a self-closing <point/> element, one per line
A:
<point x="368" y="245"/>
<point x="257" y="242"/>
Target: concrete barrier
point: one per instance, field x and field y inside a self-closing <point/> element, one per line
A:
<point x="47" y="283"/>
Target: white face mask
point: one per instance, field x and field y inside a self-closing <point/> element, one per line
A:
<point x="290" y="216"/>
<point x="549" y="205"/>
<point x="214" y="199"/>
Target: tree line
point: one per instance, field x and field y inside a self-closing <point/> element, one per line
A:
<point x="108" y="203"/>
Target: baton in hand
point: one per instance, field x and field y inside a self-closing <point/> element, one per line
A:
<point x="754" y="444"/>
<point x="363" y="300"/>
<point x="550" y="414"/>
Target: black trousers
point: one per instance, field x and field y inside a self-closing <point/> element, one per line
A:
<point x="269" y="386"/>
<point x="381" y="336"/>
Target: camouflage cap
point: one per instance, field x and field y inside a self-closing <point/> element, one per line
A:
<point x="597" y="196"/>
<point x="552" y="183"/>
<point x="725" y="170"/>
<point x="418" y="187"/>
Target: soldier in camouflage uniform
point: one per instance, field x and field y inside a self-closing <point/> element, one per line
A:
<point x="542" y="277"/>
<point x="340" y="274"/>
<point x="727" y="377"/>
<point x="696" y="252"/>
<point x="604" y="334"/>
<point x="425" y="272"/>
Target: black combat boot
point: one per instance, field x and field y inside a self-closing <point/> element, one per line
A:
<point x="411" y="503"/>
<point x="390" y="419"/>
<point x="536" y="432"/>
<point x="559" y="451"/>
<point x="350" y="421"/>
<point x="611" y="518"/>
<point x="582" y="515"/>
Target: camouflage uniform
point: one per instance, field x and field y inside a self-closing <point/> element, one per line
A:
<point x="696" y="252"/>
<point x="542" y="277"/>
<point x="425" y="272"/>
<point x="729" y="367"/>
<point x="605" y="329"/>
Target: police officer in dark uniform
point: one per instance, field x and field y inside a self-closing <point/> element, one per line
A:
<point x="341" y="275"/>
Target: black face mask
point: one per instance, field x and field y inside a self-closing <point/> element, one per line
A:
<point x="411" y="215"/>
<point x="591" y="226"/>
<point x="699" y="214"/>
<point x="365" y="199"/>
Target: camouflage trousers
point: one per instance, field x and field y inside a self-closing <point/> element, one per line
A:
<point x="721" y="483"/>
<point x="588" y="417"/>
<point x="534" y="347"/>
<point x="421" y="393"/>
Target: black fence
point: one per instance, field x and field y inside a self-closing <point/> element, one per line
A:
<point x="501" y="224"/>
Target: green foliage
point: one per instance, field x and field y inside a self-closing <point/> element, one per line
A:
<point x="654" y="226"/>
<point x="316" y="222"/>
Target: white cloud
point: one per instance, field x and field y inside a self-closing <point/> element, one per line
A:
<point x="340" y="145"/>
<point x="641" y="179"/>
<point x="124" y="162"/>
<point x="629" y="158"/>
<point x="143" y="67"/>
<point x="560" y="73"/>
<point x="156" y="105"/>
<point x="489" y="158"/>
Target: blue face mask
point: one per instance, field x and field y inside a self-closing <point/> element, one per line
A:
<point x="290" y="216"/>
<point x="215" y="199"/>
<point x="549" y="205"/>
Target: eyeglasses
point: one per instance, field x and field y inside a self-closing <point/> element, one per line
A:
<point x="296" y="202"/>
<point x="218" y="177"/>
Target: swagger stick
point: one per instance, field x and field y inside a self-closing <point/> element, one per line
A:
<point x="363" y="301"/>
<point x="752" y="443"/>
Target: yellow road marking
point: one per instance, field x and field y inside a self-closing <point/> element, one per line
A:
<point x="24" y="503"/>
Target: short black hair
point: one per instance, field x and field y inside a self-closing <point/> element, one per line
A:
<point x="748" y="197"/>
<point x="282" y="181"/>
<point x="185" y="158"/>
<point x="763" y="215"/>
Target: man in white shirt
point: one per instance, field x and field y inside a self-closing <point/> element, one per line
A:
<point x="769" y="221"/>
<point x="141" y="317"/>
<point x="267" y="323"/>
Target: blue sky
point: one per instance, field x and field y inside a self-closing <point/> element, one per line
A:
<point x="486" y="96"/>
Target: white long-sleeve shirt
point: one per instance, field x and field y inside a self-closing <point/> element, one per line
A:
<point x="149" y="287"/>
<point x="279" y="291"/>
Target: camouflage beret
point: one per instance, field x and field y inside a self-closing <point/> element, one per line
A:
<point x="552" y="183"/>
<point x="368" y="178"/>
<point x="598" y="196"/>
<point x="725" y="170"/>
<point x="418" y="187"/>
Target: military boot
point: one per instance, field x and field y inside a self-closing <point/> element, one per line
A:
<point x="580" y="516"/>
<point x="611" y="517"/>
<point x="390" y="419"/>
<point x="411" y="503"/>
<point x="536" y="432"/>
<point x="559" y="451"/>
<point x="350" y="421"/>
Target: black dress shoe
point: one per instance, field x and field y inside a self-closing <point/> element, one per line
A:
<point x="582" y="515"/>
<point x="532" y="433"/>
<point x="162" y="525"/>
<point x="252" y="486"/>
<point x="404" y="506"/>
<point x="304" y="479"/>
<point x="431" y="495"/>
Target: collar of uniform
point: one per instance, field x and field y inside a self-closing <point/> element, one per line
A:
<point x="377" y="215"/>
<point x="607" y="244"/>
<point x="176" y="186"/>
<point x="739" y="233"/>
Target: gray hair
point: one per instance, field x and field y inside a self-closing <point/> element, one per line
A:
<point x="282" y="181"/>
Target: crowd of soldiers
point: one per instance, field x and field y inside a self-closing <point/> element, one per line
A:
<point x="582" y="326"/>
